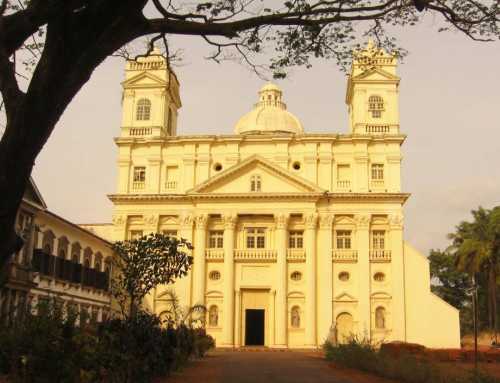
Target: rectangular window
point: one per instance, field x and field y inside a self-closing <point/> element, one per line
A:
<point x="256" y="238"/>
<point x="216" y="239"/>
<point x="378" y="240"/>
<point x="377" y="171"/>
<point x="172" y="176"/>
<point x="296" y="240"/>
<point x="135" y="234"/>
<point x="343" y="239"/>
<point x="139" y="174"/>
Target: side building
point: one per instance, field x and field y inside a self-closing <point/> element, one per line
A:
<point x="60" y="261"/>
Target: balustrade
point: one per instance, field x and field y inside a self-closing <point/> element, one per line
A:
<point x="295" y="255"/>
<point x="258" y="255"/>
<point x="380" y="255"/>
<point x="344" y="255"/>
<point x="214" y="254"/>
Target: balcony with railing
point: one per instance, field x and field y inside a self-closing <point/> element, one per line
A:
<point x="344" y="255"/>
<point x="216" y="255"/>
<point x="295" y="255"/>
<point x="143" y="131"/>
<point x="171" y="185"/>
<point x="380" y="255"/>
<point x="255" y="255"/>
<point x="138" y="185"/>
<point x="344" y="185"/>
<point x="377" y="185"/>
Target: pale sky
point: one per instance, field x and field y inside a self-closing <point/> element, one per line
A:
<point x="450" y="110"/>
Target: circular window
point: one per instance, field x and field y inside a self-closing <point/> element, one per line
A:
<point x="344" y="276"/>
<point x="379" y="277"/>
<point x="296" y="165"/>
<point x="218" y="167"/>
<point x="296" y="276"/>
<point x="214" y="275"/>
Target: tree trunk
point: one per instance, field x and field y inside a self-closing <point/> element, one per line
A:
<point x="76" y="43"/>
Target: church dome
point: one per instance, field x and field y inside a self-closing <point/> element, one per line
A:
<point x="269" y="115"/>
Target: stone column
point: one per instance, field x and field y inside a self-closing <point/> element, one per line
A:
<point x="183" y="285"/>
<point x="228" y="328"/>
<point x="310" y="247"/>
<point x="325" y="278"/>
<point x="281" y="280"/>
<point x="397" y="276"/>
<point x="363" y="244"/>
<point x="199" y="272"/>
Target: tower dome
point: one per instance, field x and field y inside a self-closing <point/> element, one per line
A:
<point x="269" y="115"/>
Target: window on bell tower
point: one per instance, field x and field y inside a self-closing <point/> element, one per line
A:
<point x="375" y="106"/>
<point x="143" y="112"/>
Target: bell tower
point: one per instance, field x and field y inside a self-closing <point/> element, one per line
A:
<point x="151" y="98"/>
<point x="373" y="92"/>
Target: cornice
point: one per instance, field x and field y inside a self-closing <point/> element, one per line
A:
<point x="341" y="197"/>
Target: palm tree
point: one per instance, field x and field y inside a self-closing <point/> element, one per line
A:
<point x="476" y="246"/>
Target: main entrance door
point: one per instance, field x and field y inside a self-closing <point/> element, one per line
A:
<point x="254" y="327"/>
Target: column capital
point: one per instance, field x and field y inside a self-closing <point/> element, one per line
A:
<point x="186" y="220"/>
<point x="281" y="220"/>
<point x="326" y="221"/>
<point x="396" y="221"/>
<point x="119" y="219"/>
<point x="363" y="221"/>
<point x="151" y="219"/>
<point x="201" y="221"/>
<point x="311" y="220"/>
<point x="229" y="221"/>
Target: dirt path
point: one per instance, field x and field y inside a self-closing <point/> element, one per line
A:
<point x="267" y="367"/>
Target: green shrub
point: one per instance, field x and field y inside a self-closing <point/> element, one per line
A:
<point x="51" y="348"/>
<point x="405" y="368"/>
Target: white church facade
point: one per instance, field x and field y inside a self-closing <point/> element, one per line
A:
<point x="297" y="236"/>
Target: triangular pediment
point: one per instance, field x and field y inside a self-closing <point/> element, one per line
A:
<point x="273" y="179"/>
<point x="344" y="297"/>
<point x="32" y="195"/>
<point x="144" y="79"/>
<point x="375" y="74"/>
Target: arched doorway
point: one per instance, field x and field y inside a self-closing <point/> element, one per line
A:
<point x="344" y="327"/>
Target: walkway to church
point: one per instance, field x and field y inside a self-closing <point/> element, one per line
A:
<point x="267" y="367"/>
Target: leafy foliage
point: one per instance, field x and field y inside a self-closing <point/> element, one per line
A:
<point x="50" y="347"/>
<point x="474" y="251"/>
<point x="142" y="264"/>
<point x="404" y="368"/>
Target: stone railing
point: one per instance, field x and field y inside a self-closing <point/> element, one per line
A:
<point x="376" y="129"/>
<point x="171" y="185"/>
<point x="214" y="255"/>
<point x="255" y="255"/>
<point x="138" y="185"/>
<point x="295" y="255"/>
<point x="343" y="184"/>
<point x="344" y="255"/>
<point x="377" y="184"/>
<point x="143" y="131"/>
<point x="145" y="65"/>
<point x="380" y="255"/>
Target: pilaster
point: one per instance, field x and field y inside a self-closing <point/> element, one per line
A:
<point x="363" y="244"/>
<point x="199" y="269"/>
<point x="281" y="286"/>
<point x="397" y="276"/>
<point x="151" y="223"/>
<point x="361" y="172"/>
<point x="229" y="291"/>
<point x="325" y="277"/>
<point x="186" y="231"/>
<point x="311" y="221"/>
<point x="119" y="227"/>
<point x="153" y="176"/>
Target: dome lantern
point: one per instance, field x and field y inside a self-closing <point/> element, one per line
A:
<point x="269" y="115"/>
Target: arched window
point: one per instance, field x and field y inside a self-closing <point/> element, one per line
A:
<point x="213" y="316"/>
<point x="380" y="318"/>
<point x="295" y="317"/>
<point x="255" y="183"/>
<point x="143" y="112"/>
<point x="344" y="327"/>
<point x="376" y="106"/>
